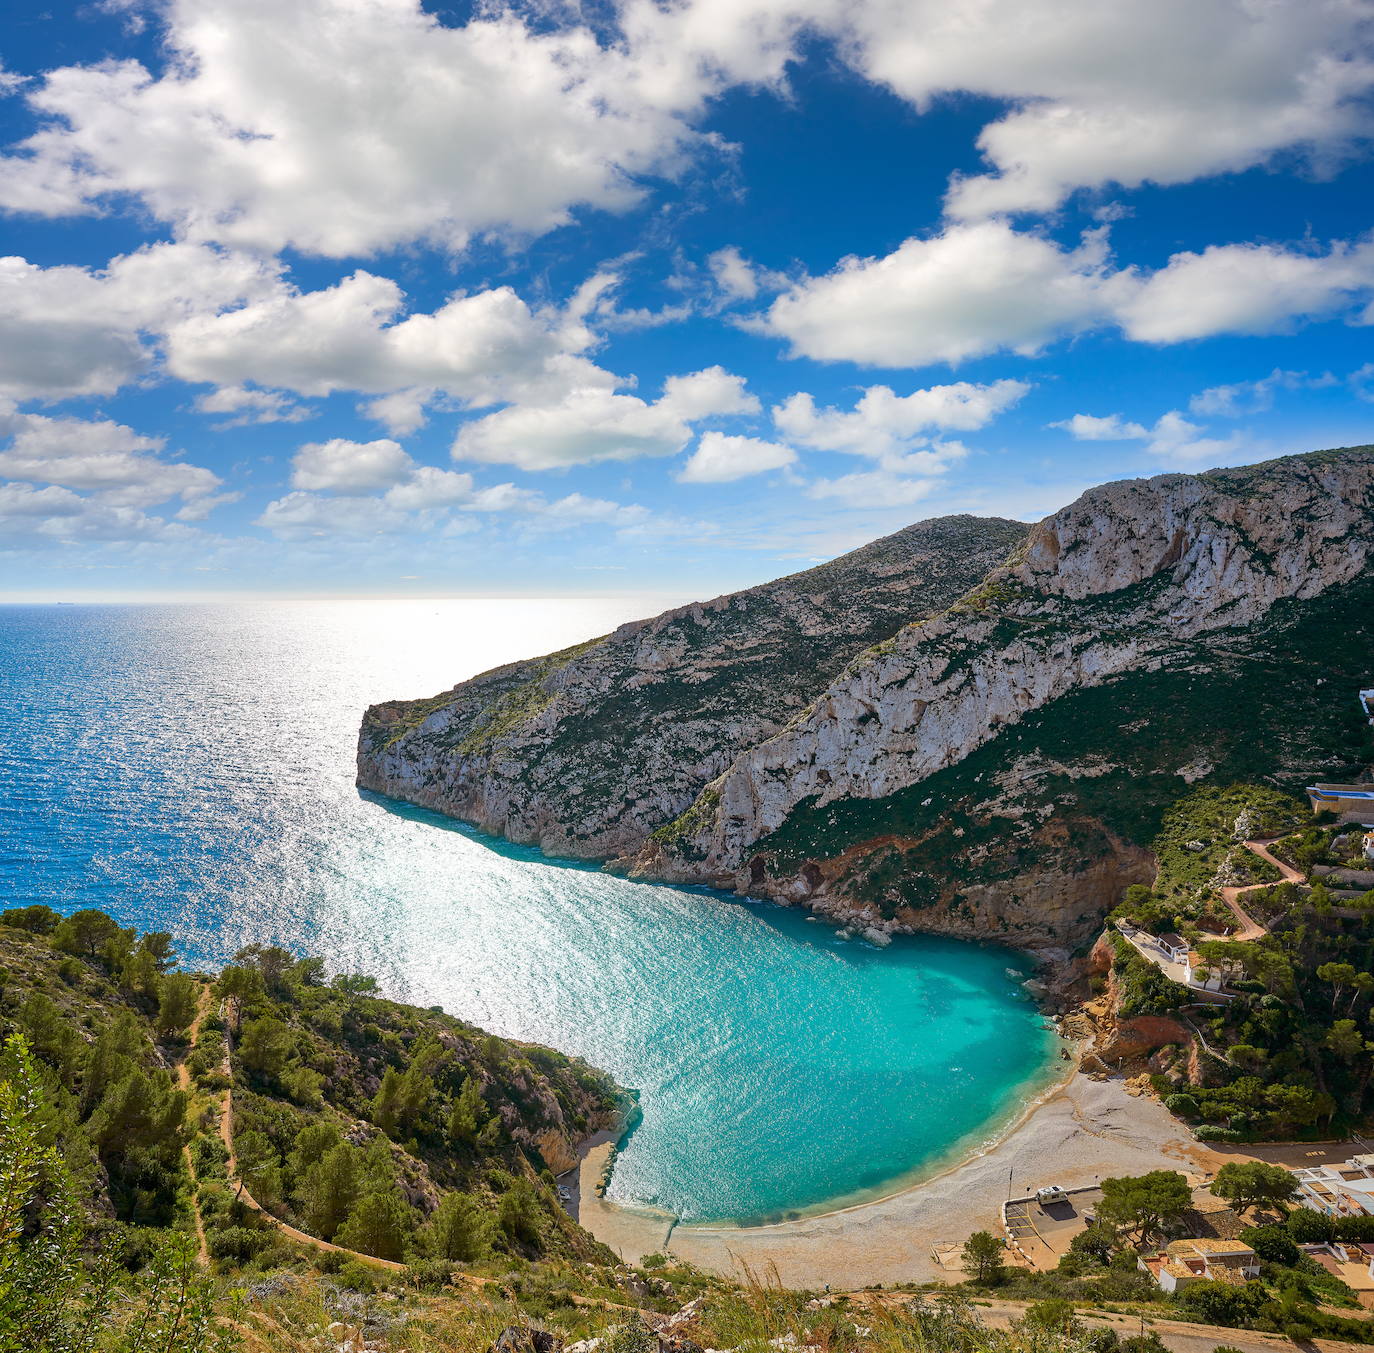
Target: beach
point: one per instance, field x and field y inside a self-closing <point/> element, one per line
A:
<point x="1082" y="1131"/>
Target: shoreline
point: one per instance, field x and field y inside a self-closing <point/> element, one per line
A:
<point x="1077" y="1132"/>
<point x="970" y="1146"/>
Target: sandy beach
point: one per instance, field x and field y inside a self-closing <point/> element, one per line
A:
<point x="1082" y="1131"/>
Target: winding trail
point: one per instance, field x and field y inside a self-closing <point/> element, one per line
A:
<point x="226" y="1135"/>
<point x="1250" y="929"/>
<point x="184" y="1084"/>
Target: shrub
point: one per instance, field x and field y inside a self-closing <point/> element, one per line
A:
<point x="1272" y="1243"/>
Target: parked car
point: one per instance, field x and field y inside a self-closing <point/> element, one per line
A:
<point x="1050" y="1194"/>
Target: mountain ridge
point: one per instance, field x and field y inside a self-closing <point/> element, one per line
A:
<point x="1133" y="579"/>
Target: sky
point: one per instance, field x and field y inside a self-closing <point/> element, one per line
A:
<point x="372" y="298"/>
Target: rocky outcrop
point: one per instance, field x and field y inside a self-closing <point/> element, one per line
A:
<point x="588" y="751"/>
<point x="991" y="766"/>
<point x="1124" y="581"/>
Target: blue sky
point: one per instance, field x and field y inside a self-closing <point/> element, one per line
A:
<point x="364" y="297"/>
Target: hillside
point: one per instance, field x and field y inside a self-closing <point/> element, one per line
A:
<point x="588" y="751"/>
<point x="400" y="1133"/>
<point x="992" y="763"/>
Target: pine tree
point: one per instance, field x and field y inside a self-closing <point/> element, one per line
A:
<point x="460" y="1229"/>
<point x="378" y="1224"/>
<point x="331" y="1189"/>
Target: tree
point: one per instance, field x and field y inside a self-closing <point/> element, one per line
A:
<point x="460" y="1229"/>
<point x="39" y="919"/>
<point x="1217" y="1303"/>
<point x="518" y="1214"/>
<point x="1145" y="1202"/>
<point x="177" y="995"/>
<point x="330" y="1190"/>
<point x="1055" y="1314"/>
<point x="468" y="1114"/>
<point x="1307" y="1226"/>
<point x="1098" y="1240"/>
<point x="1247" y="1183"/>
<point x="58" y="1290"/>
<point x="981" y="1258"/>
<point x="266" y="1047"/>
<point x="84" y="932"/>
<point x="1340" y="975"/>
<point x="1345" y="1040"/>
<point x="1272" y="1243"/>
<point x="378" y="1224"/>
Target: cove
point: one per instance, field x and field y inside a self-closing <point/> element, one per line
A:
<point x="189" y="768"/>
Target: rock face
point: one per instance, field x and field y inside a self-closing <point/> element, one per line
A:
<point x="992" y="769"/>
<point x="588" y="751"/>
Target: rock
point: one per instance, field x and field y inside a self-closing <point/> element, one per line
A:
<point x="778" y="742"/>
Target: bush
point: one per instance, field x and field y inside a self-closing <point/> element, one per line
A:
<point x="429" y="1275"/>
<point x="1210" y="1133"/>
<point x="357" y="1276"/>
<point x="1215" y="1303"/>
<point x="1357" y="1229"/>
<point x="1183" y="1105"/>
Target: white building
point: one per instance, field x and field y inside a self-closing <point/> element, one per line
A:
<point x="1338" y="1190"/>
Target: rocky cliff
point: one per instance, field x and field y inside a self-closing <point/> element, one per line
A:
<point x="588" y="751"/>
<point x="992" y="769"/>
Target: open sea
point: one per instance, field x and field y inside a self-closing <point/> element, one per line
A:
<point x="190" y="768"/>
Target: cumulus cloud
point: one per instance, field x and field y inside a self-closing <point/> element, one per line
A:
<point x="342" y="465"/>
<point x="67" y="331"/>
<point x="1248" y="289"/>
<point x="969" y="291"/>
<point x="245" y="405"/>
<point x="123" y="467"/>
<point x="720" y="459"/>
<point x="1172" y="439"/>
<point x="329" y="497"/>
<point x="882" y="423"/>
<point x="595" y="424"/>
<point x="984" y="287"/>
<point x="1084" y="427"/>
<point x="342" y="128"/>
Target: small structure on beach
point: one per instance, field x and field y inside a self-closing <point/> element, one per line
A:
<point x="1189" y="1261"/>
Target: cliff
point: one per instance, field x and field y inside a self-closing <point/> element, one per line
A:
<point x="993" y="767"/>
<point x="588" y="751"/>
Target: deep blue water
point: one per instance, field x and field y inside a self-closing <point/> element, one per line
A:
<point x="190" y="768"/>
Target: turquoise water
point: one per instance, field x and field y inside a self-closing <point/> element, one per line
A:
<point x="190" y="768"/>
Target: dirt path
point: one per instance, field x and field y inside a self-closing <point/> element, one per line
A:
<point x="184" y="1083"/>
<point x="1250" y="929"/>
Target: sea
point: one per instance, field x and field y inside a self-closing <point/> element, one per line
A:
<point x="190" y="768"/>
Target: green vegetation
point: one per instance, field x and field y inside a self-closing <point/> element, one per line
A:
<point x="1061" y="789"/>
<point x="1293" y="1053"/>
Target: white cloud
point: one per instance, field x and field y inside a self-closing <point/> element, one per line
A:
<point x="984" y="287"/>
<point x="882" y="423"/>
<point x="343" y="466"/>
<point x="480" y="348"/>
<point x="67" y="331"/>
<point x="1247" y="289"/>
<point x="246" y="405"/>
<point x="720" y="459"/>
<point x="872" y="488"/>
<point x="342" y="128"/>
<point x="973" y="290"/>
<point x="711" y="393"/>
<point x="1172" y="439"/>
<point x="734" y="274"/>
<point x="1084" y="427"/>
<point x="124" y="468"/>
<point x="1108" y="92"/>
<point x="590" y="425"/>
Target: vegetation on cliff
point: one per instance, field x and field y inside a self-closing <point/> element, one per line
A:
<point x="1291" y="1053"/>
